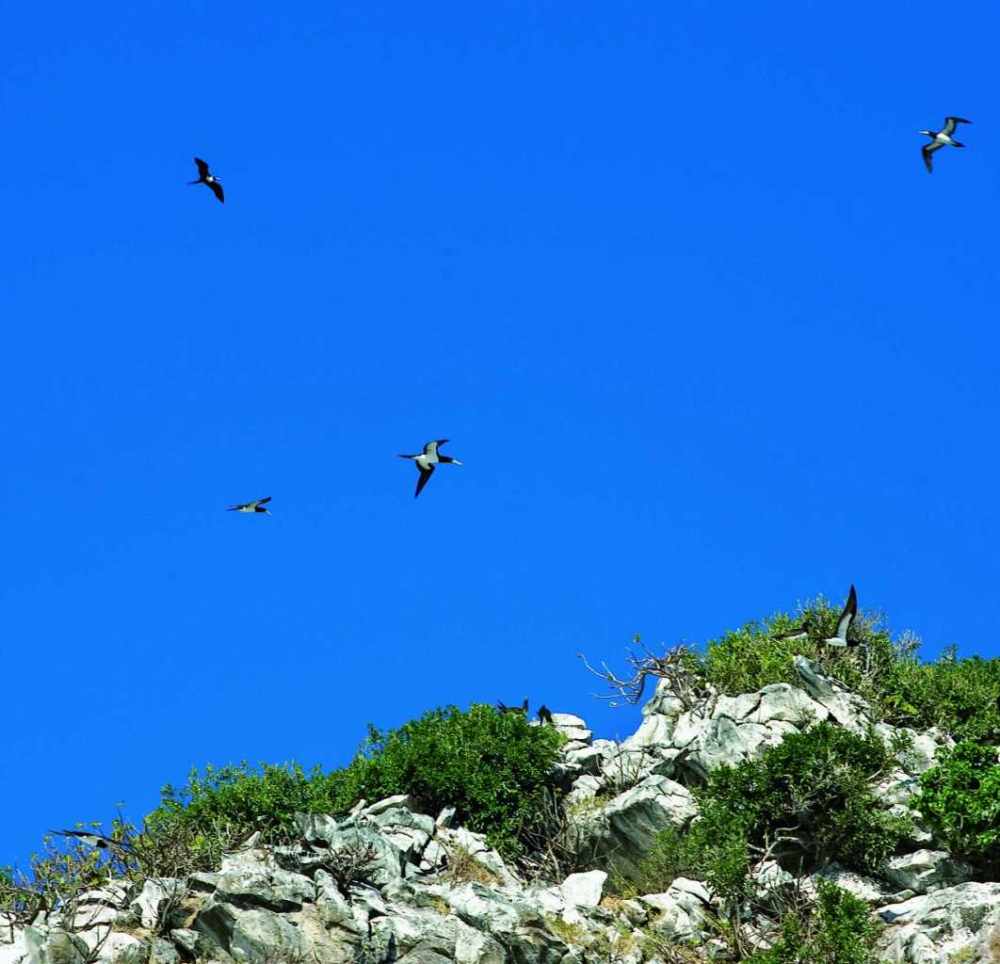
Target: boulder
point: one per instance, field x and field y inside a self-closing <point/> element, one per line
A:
<point x="925" y="871"/>
<point x="955" y="923"/>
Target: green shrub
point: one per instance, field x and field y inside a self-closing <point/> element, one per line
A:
<point x="960" y="799"/>
<point x="958" y="695"/>
<point x="809" y="797"/>
<point x="837" y="929"/>
<point x="751" y="657"/>
<point x="493" y="768"/>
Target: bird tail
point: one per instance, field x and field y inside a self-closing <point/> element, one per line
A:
<point x="956" y="144"/>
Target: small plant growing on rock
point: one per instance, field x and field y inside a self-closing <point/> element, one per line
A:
<point x="464" y="868"/>
<point x="837" y="929"/>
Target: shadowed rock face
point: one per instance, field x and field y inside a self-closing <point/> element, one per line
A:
<point x="389" y="884"/>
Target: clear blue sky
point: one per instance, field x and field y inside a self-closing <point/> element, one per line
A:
<point x="671" y="277"/>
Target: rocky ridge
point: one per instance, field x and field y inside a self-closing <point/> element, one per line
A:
<point x="388" y="884"/>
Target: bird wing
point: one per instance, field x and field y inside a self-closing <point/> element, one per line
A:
<point x="431" y="448"/>
<point x="202" y="167"/>
<point x="425" y="474"/>
<point x="850" y="611"/>
<point x="263" y="501"/>
<point x="928" y="150"/>
<point x="217" y="190"/>
<point x="950" y="123"/>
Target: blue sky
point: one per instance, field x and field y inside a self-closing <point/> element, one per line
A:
<point x="671" y="277"/>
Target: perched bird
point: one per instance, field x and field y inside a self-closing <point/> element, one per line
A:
<point x="941" y="138"/>
<point x="545" y="715"/>
<point x="258" y="505"/>
<point x="426" y="461"/>
<point x="98" y="840"/>
<point x="207" y="178"/>
<point x="850" y="610"/>
<point x="522" y="709"/>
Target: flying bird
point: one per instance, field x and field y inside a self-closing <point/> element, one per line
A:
<point x="426" y="461"/>
<point x="522" y="709"/>
<point x="847" y="616"/>
<point x="98" y="840"/>
<point x="258" y="505"/>
<point x="206" y="177"/>
<point x="940" y="139"/>
<point x="803" y="631"/>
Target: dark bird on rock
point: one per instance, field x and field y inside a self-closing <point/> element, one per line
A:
<point x="258" y="505"/>
<point x="522" y="709"/>
<point x="941" y="138"/>
<point x="847" y="616"/>
<point x="545" y="715"/>
<point x="98" y="840"/>
<point x="426" y="461"/>
<point x="206" y="177"/>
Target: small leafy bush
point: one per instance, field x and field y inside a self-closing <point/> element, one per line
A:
<point x="960" y="799"/>
<point x="805" y="801"/>
<point x="837" y="929"/>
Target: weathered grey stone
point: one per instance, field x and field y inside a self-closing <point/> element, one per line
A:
<point x="254" y="936"/>
<point x="399" y="801"/>
<point x="845" y="707"/>
<point x="475" y="845"/>
<point x="621" y="832"/>
<point x="682" y="910"/>
<point x="278" y="890"/>
<point x="155" y="898"/>
<point x="54" y="947"/>
<point x="722" y="742"/>
<point x="585" y="787"/>
<point x="163" y="952"/>
<point x="780" y="701"/>
<point x="925" y="871"/>
<point x="584" y="890"/>
<point x="931" y="928"/>
<point x="864" y="888"/>
<point x="572" y="727"/>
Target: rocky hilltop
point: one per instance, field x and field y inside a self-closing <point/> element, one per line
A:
<point x="387" y="883"/>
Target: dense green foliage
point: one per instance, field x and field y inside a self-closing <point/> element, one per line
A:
<point x="837" y="929"/>
<point x="960" y="799"/>
<point x="958" y="695"/>
<point x="807" y="801"/>
<point x="493" y="768"/>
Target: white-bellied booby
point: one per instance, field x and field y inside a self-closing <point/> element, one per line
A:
<point x="804" y="631"/>
<point x="850" y="610"/>
<point x="258" y="505"/>
<point x="98" y="840"/>
<point x="941" y="139"/>
<point x="206" y="177"/>
<point x="426" y="461"/>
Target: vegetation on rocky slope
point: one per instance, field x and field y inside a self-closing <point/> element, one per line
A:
<point x="802" y="804"/>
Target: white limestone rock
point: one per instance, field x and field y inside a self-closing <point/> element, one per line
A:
<point x="925" y="871"/>
<point x="937" y="927"/>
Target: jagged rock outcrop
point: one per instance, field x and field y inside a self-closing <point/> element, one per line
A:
<point x="389" y="884"/>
